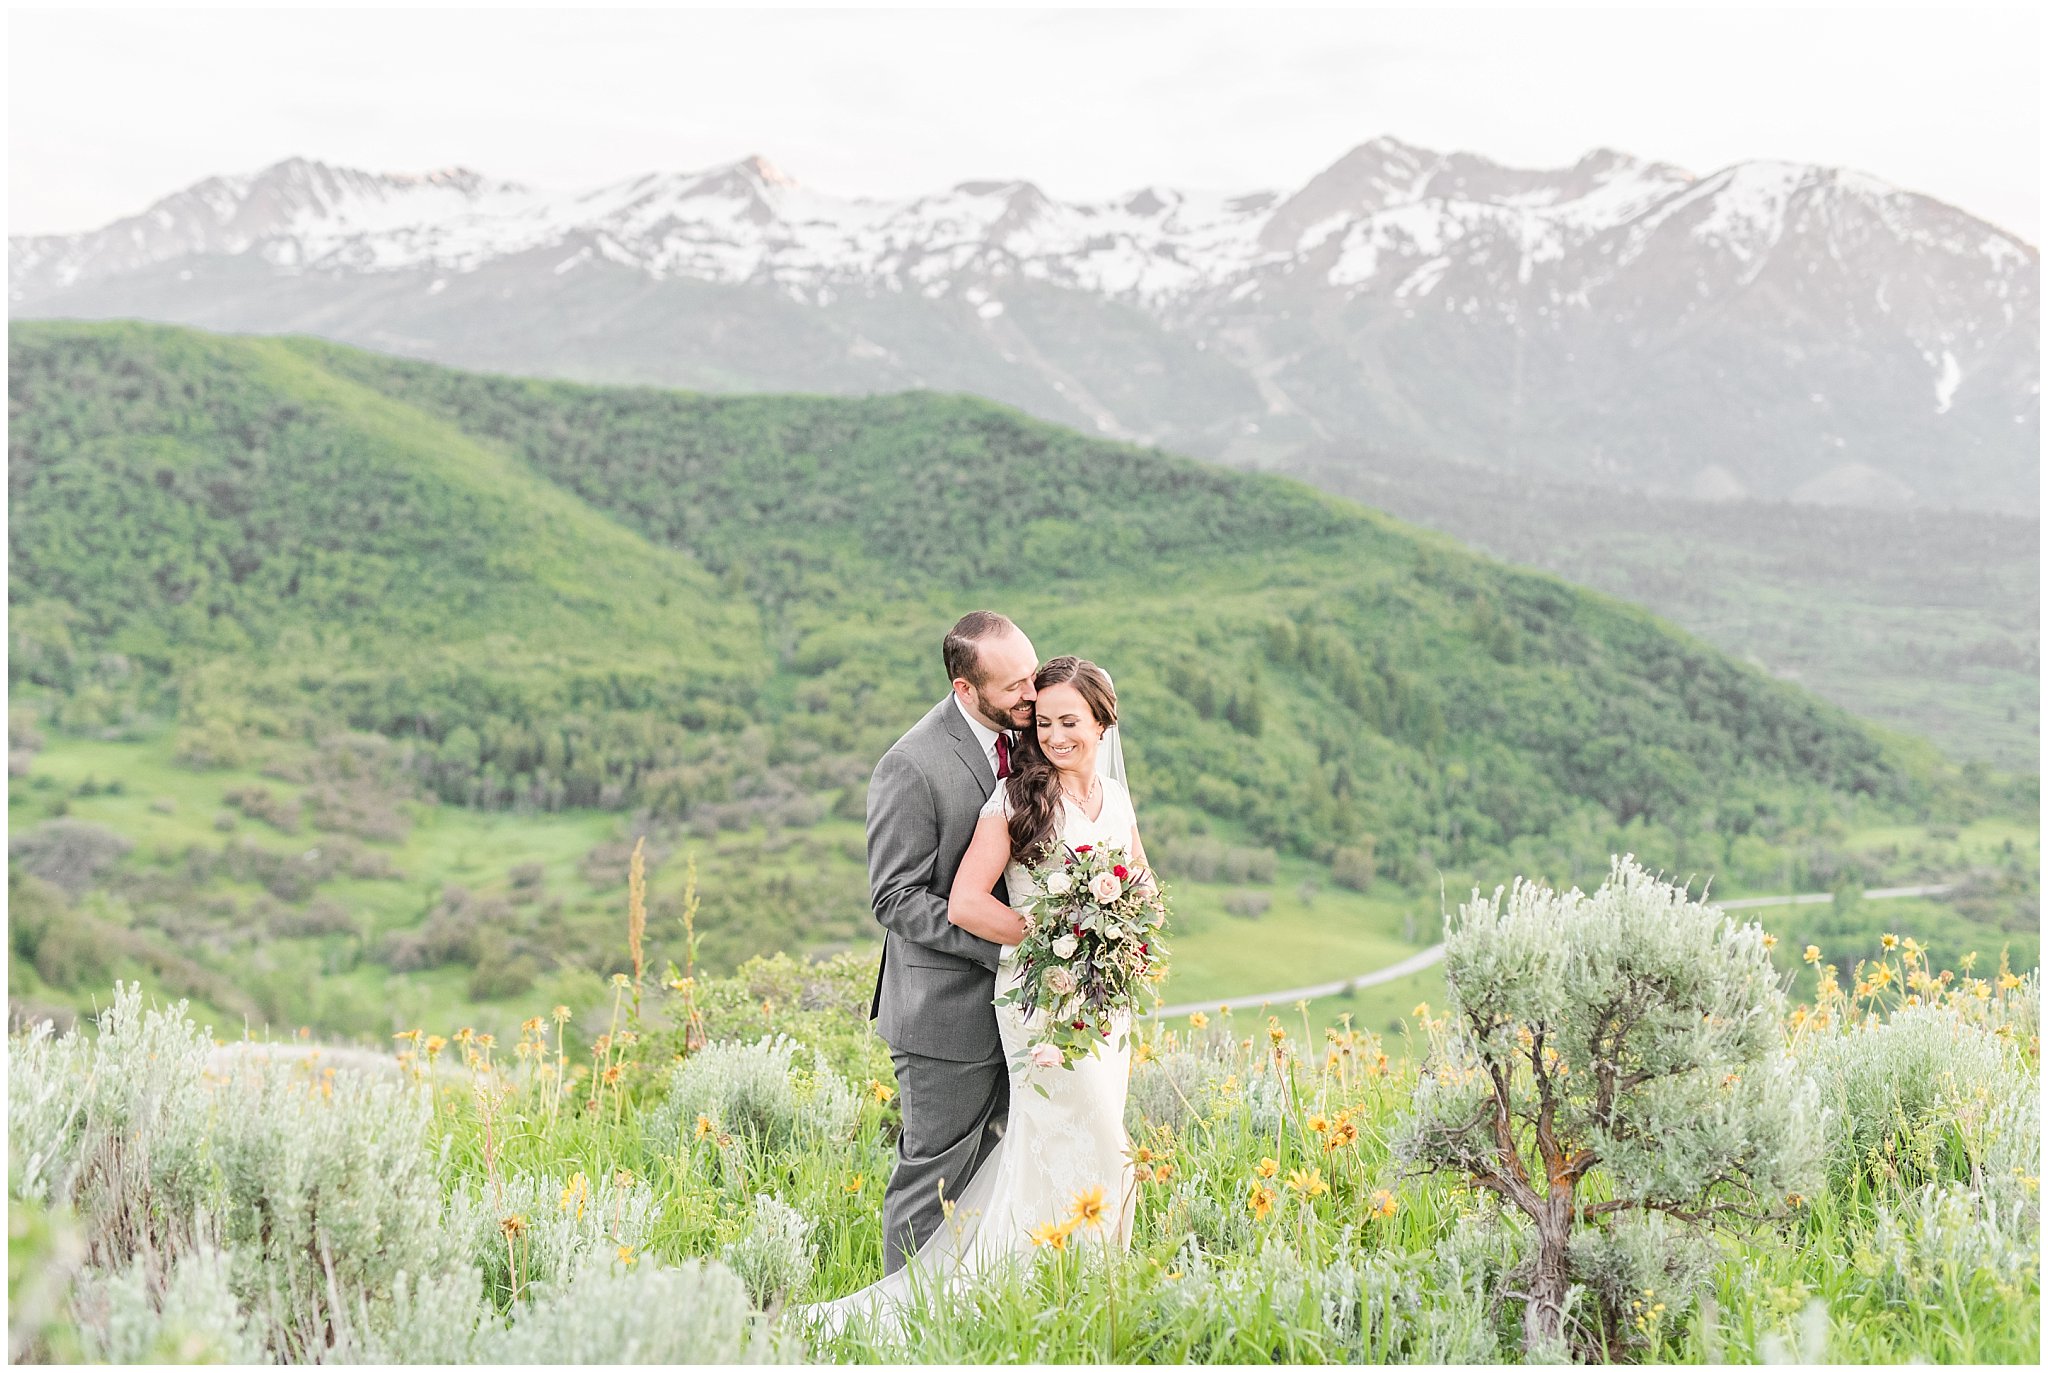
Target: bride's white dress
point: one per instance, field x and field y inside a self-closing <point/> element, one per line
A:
<point x="1055" y="1148"/>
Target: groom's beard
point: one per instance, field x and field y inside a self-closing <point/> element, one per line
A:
<point x="995" y="722"/>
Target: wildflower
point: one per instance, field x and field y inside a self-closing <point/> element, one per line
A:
<point x="1770" y="941"/>
<point x="1318" y="1122"/>
<point x="1383" y="1204"/>
<point x="1141" y="1052"/>
<point x="434" y="1045"/>
<point x="1162" y="1171"/>
<point x="621" y="980"/>
<point x="1051" y="1235"/>
<point x="1308" y="1181"/>
<point x="561" y="1014"/>
<point x="679" y="984"/>
<point x="1890" y="941"/>
<point x="627" y="1256"/>
<point x="1342" y="1134"/>
<point x="530" y="1026"/>
<point x="413" y="1035"/>
<point x="613" y="1074"/>
<point x="514" y="1226"/>
<point x="1421" y="1011"/>
<point x="601" y="1046"/>
<point x="1088" y="1208"/>
<point x="856" y="1184"/>
<point x="1260" y="1202"/>
<point x="1794" y="1200"/>
<point x="1198" y="1021"/>
<point x="1812" y="953"/>
<point x="1979" y="988"/>
<point x="1273" y="1030"/>
<point x="1268" y="1167"/>
<point x="2008" y="981"/>
<point x="704" y="1126"/>
<point x="464" y="1035"/>
<point x="576" y="1193"/>
<point x="880" y="1091"/>
<point x="623" y="1178"/>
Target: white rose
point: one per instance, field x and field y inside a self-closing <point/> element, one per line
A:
<point x="1064" y="947"/>
<point x="1061" y="981"/>
<point x="1059" y="884"/>
<point x="1048" y="1056"/>
<point x="1106" y="887"/>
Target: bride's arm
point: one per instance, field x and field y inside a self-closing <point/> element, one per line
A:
<point x="972" y="905"/>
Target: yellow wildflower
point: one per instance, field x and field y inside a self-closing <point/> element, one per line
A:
<point x="1770" y="941"/>
<point x="627" y="1256"/>
<point x="1273" y="1030"/>
<point x="1383" y="1204"/>
<point x="1308" y="1181"/>
<point x="561" y="1014"/>
<point x="1260" y="1202"/>
<point x="514" y="1226"/>
<point x="1890" y="941"/>
<point x="856" y="1184"/>
<point x="1812" y="953"/>
<point x="880" y="1091"/>
<point x="1088" y="1208"/>
<point x="2009" y="981"/>
<point x="1268" y="1167"/>
<point x="1421" y="1011"/>
<point x="1198" y="1021"/>
<point x="1343" y="1133"/>
<point x="1318" y="1122"/>
<point x="704" y="1126"/>
<point x="1052" y="1235"/>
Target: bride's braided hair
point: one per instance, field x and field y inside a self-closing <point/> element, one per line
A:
<point x="1034" y="782"/>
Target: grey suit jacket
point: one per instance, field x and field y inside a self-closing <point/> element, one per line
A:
<point x="933" y="992"/>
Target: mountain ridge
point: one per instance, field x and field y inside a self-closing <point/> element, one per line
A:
<point x="1778" y="326"/>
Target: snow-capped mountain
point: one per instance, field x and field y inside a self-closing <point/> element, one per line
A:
<point x="1774" y="329"/>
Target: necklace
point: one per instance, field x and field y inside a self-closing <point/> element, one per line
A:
<point x="1094" y="785"/>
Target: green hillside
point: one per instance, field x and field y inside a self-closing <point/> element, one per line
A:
<point x="308" y="591"/>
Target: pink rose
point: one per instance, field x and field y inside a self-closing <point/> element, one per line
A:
<point x="1047" y="1056"/>
<point x="1106" y="887"/>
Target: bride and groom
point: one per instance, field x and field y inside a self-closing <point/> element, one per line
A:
<point x="988" y="1163"/>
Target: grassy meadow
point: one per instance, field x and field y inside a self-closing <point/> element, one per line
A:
<point x="637" y="1201"/>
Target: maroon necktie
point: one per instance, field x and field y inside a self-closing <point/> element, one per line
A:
<point x="1002" y="756"/>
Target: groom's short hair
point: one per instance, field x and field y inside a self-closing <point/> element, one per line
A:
<point x="963" y="643"/>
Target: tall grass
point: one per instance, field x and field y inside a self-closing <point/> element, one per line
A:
<point x="470" y="1205"/>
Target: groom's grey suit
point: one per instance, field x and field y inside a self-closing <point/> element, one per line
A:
<point x="933" y="993"/>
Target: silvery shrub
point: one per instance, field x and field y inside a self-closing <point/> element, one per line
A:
<point x="755" y="1091"/>
<point x="1635" y="1031"/>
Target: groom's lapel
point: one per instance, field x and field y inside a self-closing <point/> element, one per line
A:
<point x="969" y="749"/>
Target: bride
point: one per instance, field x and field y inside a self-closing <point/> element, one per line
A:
<point x="1061" y="1173"/>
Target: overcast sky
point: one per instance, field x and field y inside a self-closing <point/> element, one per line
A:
<point x="109" y="111"/>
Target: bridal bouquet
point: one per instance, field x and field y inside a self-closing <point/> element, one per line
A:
<point x="1091" y="948"/>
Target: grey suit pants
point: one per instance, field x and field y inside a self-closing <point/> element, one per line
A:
<point x="953" y="1114"/>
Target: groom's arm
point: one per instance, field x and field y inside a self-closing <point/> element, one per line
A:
<point x="903" y="850"/>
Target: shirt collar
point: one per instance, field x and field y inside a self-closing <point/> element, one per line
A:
<point x="982" y="732"/>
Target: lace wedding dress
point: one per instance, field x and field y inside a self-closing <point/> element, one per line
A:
<point x="1056" y="1148"/>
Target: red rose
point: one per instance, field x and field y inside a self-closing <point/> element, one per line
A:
<point x="1084" y="848"/>
<point x="1121" y="872"/>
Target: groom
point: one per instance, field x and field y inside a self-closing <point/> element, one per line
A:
<point x="932" y="996"/>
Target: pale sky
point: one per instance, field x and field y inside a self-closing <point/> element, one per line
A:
<point x="110" y="110"/>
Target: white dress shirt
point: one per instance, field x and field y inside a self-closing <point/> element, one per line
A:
<point x="982" y="732"/>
